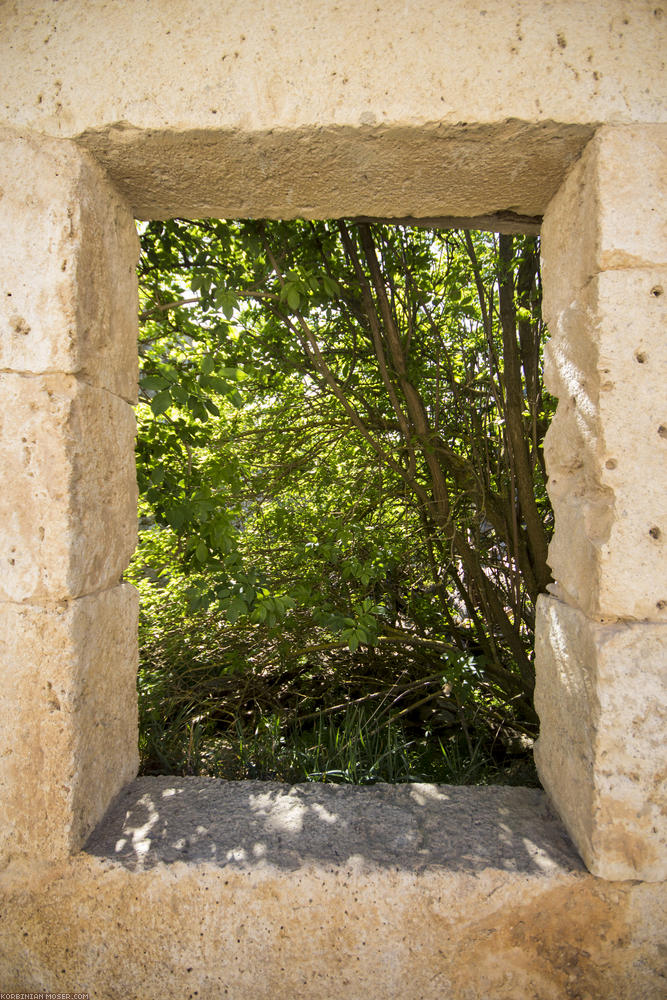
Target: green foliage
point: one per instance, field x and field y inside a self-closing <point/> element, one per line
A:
<point x="340" y="471"/>
<point x="360" y="720"/>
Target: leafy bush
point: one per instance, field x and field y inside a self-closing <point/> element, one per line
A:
<point x="343" y="512"/>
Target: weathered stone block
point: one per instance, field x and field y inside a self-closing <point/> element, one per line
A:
<point x="222" y="111"/>
<point x="68" y="285"/>
<point x="257" y="889"/>
<point x="68" y="718"/>
<point x="68" y="509"/>
<point x="606" y="449"/>
<point x="608" y="214"/>
<point x="601" y="694"/>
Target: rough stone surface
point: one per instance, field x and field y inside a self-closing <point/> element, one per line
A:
<point x="608" y="214"/>
<point x="601" y="694"/>
<point x="254" y="824"/>
<point x="68" y="286"/>
<point x="68" y="719"/>
<point x="252" y="65"/>
<point x="467" y="171"/>
<point x="258" y="108"/>
<point x="68" y="524"/>
<point x="606" y="449"/>
<point x="422" y="893"/>
<point x="326" y="109"/>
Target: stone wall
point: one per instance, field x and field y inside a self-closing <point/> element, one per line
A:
<point x="68" y="645"/>
<point x="496" y="113"/>
<point x="420" y="892"/>
<point x="316" y="108"/>
<point x="602" y="638"/>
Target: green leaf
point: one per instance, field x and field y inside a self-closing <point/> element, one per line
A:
<point x="236" y="373"/>
<point x="151" y="383"/>
<point x="179" y="394"/>
<point x="198" y="409"/>
<point x="217" y="384"/>
<point x="161" y="403"/>
<point x="293" y="298"/>
<point x="237" y="607"/>
<point x="227" y="301"/>
<point x="201" y="552"/>
<point x="193" y="596"/>
<point x="175" y="517"/>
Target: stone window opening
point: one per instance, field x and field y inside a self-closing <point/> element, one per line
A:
<point x="196" y="311"/>
<point x="69" y="626"/>
<point x="61" y="587"/>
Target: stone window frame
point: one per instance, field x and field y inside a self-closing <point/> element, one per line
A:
<point x="68" y="374"/>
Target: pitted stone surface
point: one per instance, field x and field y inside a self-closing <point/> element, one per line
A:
<point x="250" y="824"/>
<point x="68" y="716"/>
<point x="68" y="284"/>
<point x="68" y="524"/>
<point x="315" y="109"/>
<point x="463" y="172"/>
<point x="601" y="694"/>
<point x="606" y="448"/>
<point x="607" y="215"/>
<point x="601" y="647"/>
<point x="325" y="110"/>
<point x="253" y="65"/>
<point x="417" y="893"/>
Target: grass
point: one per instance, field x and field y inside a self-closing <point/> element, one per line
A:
<point x="218" y="702"/>
<point x="353" y="747"/>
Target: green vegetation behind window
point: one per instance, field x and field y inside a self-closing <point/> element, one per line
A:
<point x="344" y="518"/>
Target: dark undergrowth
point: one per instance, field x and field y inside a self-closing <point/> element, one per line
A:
<point x="231" y="703"/>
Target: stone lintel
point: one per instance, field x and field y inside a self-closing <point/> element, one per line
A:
<point x="322" y="171"/>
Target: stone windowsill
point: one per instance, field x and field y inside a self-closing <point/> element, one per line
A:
<point x="199" y="888"/>
<point x="413" y="828"/>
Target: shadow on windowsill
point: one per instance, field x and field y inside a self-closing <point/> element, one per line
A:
<point x="250" y="824"/>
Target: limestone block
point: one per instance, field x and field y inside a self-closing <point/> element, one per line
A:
<point x="252" y="66"/>
<point x="325" y="110"/>
<point x="68" y="718"/>
<point x="68" y="507"/>
<point x="459" y="112"/>
<point x="606" y="449"/>
<point x="68" y="285"/>
<point x="485" y="173"/>
<point x="601" y="694"/>
<point x="608" y="213"/>
<point x="272" y="892"/>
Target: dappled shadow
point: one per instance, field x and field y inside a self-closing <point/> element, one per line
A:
<point x="250" y="824"/>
